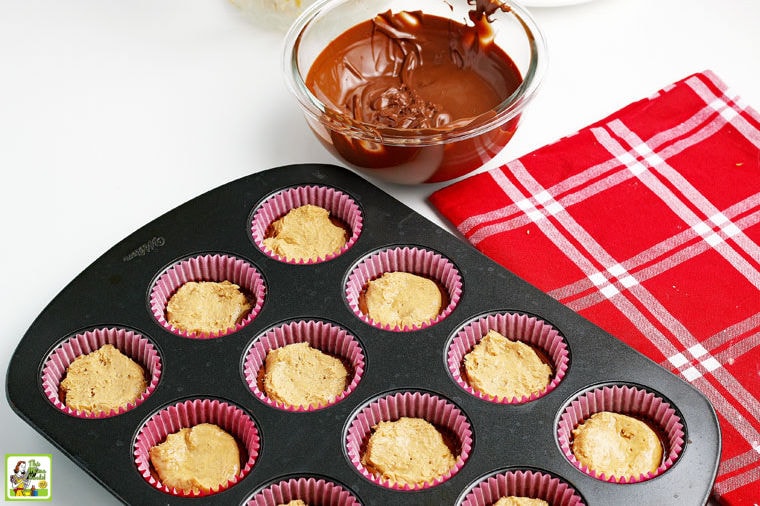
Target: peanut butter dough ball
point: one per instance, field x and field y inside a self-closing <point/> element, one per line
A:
<point x="102" y="380"/>
<point x="306" y="233"/>
<point x="299" y="375"/>
<point x="520" y="501"/>
<point x="617" y="445"/>
<point x="408" y="451"/>
<point x="195" y="459"/>
<point x="402" y="299"/>
<point x="506" y="369"/>
<point x="207" y="306"/>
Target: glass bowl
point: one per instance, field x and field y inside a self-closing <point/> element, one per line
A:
<point x="412" y="155"/>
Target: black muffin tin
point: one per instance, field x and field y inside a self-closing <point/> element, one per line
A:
<point x="114" y="292"/>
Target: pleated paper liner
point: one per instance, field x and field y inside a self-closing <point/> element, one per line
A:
<point x="190" y="413"/>
<point x="631" y="400"/>
<point x="129" y="342"/>
<point x="312" y="490"/>
<point x="528" y="329"/>
<point x="412" y="260"/>
<point x="340" y="206"/>
<point x="529" y="483"/>
<point x="440" y="412"/>
<point x="324" y="336"/>
<point x="215" y="267"/>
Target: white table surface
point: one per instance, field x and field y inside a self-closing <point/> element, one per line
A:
<point x="112" y="113"/>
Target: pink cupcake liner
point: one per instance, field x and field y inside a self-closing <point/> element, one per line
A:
<point x="129" y="342"/>
<point x="520" y="327"/>
<point x="404" y="259"/>
<point x="391" y="407"/>
<point x="212" y="267"/>
<point x="311" y="490"/>
<point x="521" y="483"/>
<point x="627" y="400"/>
<point x="340" y="206"/>
<point x="324" y="336"/>
<point x="189" y="413"/>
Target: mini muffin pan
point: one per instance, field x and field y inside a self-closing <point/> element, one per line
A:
<point x="503" y="446"/>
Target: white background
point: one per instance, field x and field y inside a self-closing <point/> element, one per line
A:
<point x="114" y="112"/>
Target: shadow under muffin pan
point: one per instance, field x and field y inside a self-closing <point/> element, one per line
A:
<point x="503" y="444"/>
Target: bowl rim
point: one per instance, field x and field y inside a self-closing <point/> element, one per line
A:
<point x="511" y="107"/>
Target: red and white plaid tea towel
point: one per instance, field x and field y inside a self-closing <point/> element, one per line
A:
<point x="648" y="224"/>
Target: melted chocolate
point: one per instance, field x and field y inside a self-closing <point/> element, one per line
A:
<point x="410" y="70"/>
<point x="409" y="73"/>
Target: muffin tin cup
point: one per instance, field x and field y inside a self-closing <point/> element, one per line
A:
<point x="190" y="413"/>
<point x="413" y="260"/>
<point x="517" y="327"/>
<point x="438" y="411"/>
<point x="629" y="400"/>
<point x="210" y="267"/>
<point x="311" y="490"/>
<point x="339" y="204"/>
<point x="533" y="484"/>
<point x="321" y="335"/>
<point x="130" y="343"/>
